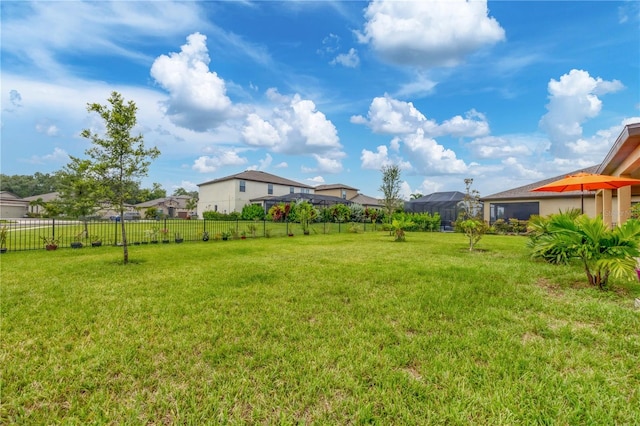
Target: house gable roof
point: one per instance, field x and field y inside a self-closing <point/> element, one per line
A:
<point x="627" y="142"/>
<point x="49" y="196"/>
<point x="334" y="186"/>
<point x="259" y="176"/>
<point x="524" y="192"/>
<point x="8" y="195"/>
<point x="179" y="201"/>
<point x="365" y="200"/>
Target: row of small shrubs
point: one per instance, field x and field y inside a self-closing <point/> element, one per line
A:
<point x="510" y="226"/>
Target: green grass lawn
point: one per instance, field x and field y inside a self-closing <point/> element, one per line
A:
<point x="320" y="329"/>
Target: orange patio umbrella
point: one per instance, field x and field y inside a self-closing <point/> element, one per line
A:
<point x="586" y="182"/>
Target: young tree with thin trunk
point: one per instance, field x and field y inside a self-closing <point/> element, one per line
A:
<point x="117" y="160"/>
<point x="390" y="189"/>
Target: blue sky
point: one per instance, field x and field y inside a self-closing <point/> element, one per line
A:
<point x="506" y="93"/>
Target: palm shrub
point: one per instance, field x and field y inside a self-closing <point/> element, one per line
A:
<point x="398" y="227"/>
<point x="603" y="252"/>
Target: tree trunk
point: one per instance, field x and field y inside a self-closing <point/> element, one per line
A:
<point x="125" y="249"/>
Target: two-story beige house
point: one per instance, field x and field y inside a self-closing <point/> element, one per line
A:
<point x="231" y="193"/>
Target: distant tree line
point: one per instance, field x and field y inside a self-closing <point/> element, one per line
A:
<point x="44" y="183"/>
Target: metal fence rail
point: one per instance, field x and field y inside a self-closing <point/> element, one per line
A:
<point x="33" y="234"/>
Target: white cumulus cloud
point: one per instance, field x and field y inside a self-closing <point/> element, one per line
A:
<point x="428" y="157"/>
<point x="429" y="33"/>
<point x="197" y="96"/>
<point x="58" y="156"/>
<point x="211" y="163"/>
<point x="387" y="115"/>
<point x="572" y="101"/>
<point x="349" y="60"/>
<point x="295" y="127"/>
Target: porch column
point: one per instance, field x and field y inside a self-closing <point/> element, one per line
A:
<point x="624" y="204"/>
<point x="607" y="207"/>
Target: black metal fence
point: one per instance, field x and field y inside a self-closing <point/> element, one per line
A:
<point x="34" y="234"/>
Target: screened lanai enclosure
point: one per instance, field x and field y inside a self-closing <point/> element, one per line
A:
<point x="318" y="201"/>
<point x="443" y="203"/>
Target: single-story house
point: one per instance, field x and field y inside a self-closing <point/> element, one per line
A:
<point x="614" y="206"/>
<point x="366" y="201"/>
<point x="36" y="202"/>
<point x="174" y="206"/>
<point x="12" y="206"/>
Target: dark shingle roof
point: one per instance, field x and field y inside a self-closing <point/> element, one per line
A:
<point x="523" y="192"/>
<point x="258" y="176"/>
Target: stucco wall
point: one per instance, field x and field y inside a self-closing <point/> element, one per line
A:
<point x="227" y="197"/>
<point x="337" y="192"/>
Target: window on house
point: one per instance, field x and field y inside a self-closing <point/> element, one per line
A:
<point x="291" y="190"/>
<point x="506" y="211"/>
<point x="270" y="189"/>
<point x="243" y="186"/>
<point x="344" y="194"/>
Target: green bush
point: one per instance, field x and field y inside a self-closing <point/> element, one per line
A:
<point x="252" y="212"/>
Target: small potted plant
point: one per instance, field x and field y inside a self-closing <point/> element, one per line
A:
<point x="205" y="236"/>
<point x="96" y="241"/>
<point x="178" y="238"/>
<point x="77" y="243"/>
<point x="165" y="235"/>
<point x="153" y="235"/>
<point x="253" y="228"/>
<point x="225" y="235"/>
<point x="243" y="235"/>
<point x="50" y="243"/>
<point x="3" y="238"/>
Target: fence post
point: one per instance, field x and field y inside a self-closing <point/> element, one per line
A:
<point x="53" y="228"/>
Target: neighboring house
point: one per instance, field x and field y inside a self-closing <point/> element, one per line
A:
<point x="36" y="202"/>
<point x="337" y="190"/>
<point x="366" y="201"/>
<point x="12" y="206"/>
<point x="232" y="193"/>
<point x="348" y="193"/>
<point x="174" y="206"/>
<point x="613" y="205"/>
<point x="520" y="203"/>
